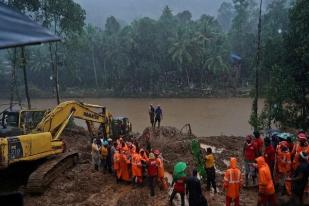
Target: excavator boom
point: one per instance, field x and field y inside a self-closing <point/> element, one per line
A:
<point x="53" y="121"/>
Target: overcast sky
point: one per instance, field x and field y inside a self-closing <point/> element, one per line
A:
<point x="128" y="10"/>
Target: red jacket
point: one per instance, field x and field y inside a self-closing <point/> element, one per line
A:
<point x="258" y="142"/>
<point x="269" y="155"/>
<point x="152" y="168"/>
<point x="249" y="150"/>
<point x="179" y="185"/>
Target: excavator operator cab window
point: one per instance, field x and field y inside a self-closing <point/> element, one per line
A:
<point x="30" y="119"/>
<point x="10" y="119"/>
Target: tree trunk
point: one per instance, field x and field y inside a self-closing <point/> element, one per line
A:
<point x="55" y="64"/>
<point x="23" y="64"/>
<point x="188" y="78"/>
<point x="255" y="101"/>
<point x="56" y="74"/>
<point x="54" y="71"/>
<point x="94" y="69"/>
<point x="13" y="80"/>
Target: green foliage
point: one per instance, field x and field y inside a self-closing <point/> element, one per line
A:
<point x="225" y="15"/>
<point x="177" y="54"/>
<point x="112" y="26"/>
<point x="286" y="65"/>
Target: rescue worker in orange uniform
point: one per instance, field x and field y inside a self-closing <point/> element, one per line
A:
<point x="137" y="167"/>
<point x="283" y="165"/>
<point x="144" y="160"/>
<point x="159" y="160"/>
<point x="116" y="162"/>
<point x="124" y="166"/>
<point x="266" y="185"/>
<point x="232" y="183"/>
<point x="124" y="147"/>
<point x="302" y="146"/>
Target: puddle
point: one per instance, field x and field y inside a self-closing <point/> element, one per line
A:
<point x="213" y="148"/>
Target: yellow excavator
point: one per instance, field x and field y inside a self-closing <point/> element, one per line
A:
<point x="45" y="141"/>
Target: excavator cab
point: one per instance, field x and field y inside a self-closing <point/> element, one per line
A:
<point x="19" y="122"/>
<point x="121" y="126"/>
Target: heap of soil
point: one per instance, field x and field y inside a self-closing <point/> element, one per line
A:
<point x="82" y="185"/>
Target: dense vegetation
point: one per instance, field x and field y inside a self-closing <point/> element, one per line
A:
<point x="175" y="55"/>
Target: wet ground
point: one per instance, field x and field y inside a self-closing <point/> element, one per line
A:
<point x="83" y="186"/>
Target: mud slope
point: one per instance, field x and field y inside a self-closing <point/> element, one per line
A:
<point x="83" y="186"/>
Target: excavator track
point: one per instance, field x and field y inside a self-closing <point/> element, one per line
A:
<point x="46" y="173"/>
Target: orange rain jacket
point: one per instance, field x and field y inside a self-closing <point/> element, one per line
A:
<point x="232" y="180"/>
<point x="266" y="185"/>
<point x="143" y="156"/>
<point x="283" y="162"/>
<point x="296" y="151"/>
<point x="124" y="167"/>
<point x="117" y="163"/>
<point x="298" y="148"/>
<point x="136" y="165"/>
<point x="160" y="167"/>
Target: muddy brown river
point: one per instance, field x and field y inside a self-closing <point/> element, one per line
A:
<point x="208" y="117"/>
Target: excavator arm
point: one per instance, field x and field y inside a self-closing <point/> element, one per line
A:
<point x="58" y="118"/>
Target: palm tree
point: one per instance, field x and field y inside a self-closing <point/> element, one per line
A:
<point x="180" y="52"/>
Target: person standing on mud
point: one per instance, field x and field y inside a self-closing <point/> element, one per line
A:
<point x="258" y="143"/>
<point x="152" y="169"/>
<point x="179" y="185"/>
<point x="266" y="185"/>
<point x="210" y="170"/>
<point x="95" y="153"/>
<point x="194" y="191"/>
<point x="103" y="157"/>
<point x="269" y="155"/>
<point x="110" y="154"/>
<point x="232" y="183"/>
<point x="158" y="115"/>
<point x="249" y="153"/>
<point x="151" y="112"/>
<point x="300" y="178"/>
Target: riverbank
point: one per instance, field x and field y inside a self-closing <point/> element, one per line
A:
<point x="207" y="116"/>
<point x="109" y="93"/>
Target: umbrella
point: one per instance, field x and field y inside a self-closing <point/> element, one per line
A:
<point x="285" y="136"/>
<point x="179" y="170"/>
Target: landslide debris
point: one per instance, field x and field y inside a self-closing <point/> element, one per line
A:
<point x="83" y="186"/>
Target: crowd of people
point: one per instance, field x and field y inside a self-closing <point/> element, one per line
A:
<point x="276" y="166"/>
<point x="128" y="162"/>
<point x="280" y="166"/>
